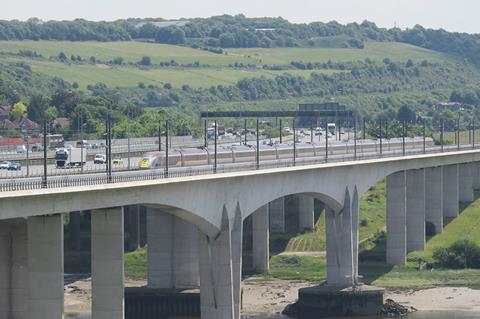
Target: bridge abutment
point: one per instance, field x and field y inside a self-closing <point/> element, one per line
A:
<point x="108" y="264"/>
<point x="434" y="197"/>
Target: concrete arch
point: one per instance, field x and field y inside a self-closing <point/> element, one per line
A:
<point x="203" y="225"/>
<point x="327" y="200"/>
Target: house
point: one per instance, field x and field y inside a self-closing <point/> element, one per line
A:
<point x="62" y="122"/>
<point x="25" y="123"/>
<point x="5" y="112"/>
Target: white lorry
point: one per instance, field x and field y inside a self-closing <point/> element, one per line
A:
<point x="70" y="157"/>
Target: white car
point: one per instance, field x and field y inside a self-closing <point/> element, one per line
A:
<point x="99" y="159"/>
<point x="4" y="164"/>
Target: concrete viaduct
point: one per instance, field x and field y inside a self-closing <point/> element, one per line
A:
<point x="194" y="227"/>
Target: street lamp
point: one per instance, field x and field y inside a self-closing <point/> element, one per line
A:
<point x="26" y="139"/>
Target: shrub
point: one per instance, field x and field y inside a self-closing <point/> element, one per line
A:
<point x="461" y="254"/>
<point x="364" y="223"/>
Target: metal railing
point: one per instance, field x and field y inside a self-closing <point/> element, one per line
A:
<point x="95" y="178"/>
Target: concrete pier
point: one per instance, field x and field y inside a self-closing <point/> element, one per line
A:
<point x="434" y="197"/>
<point x="185" y="253"/>
<point x="74" y="231"/>
<point x="333" y="247"/>
<point x="260" y="241"/>
<point x="108" y="264"/>
<point x="415" y="181"/>
<point x="450" y="191"/>
<point x="132" y="227"/>
<point x="277" y="216"/>
<point x="45" y="267"/>
<point x="172" y="258"/>
<point x="476" y="175"/>
<point x="306" y="213"/>
<point x="396" y="219"/>
<point x="216" y="280"/>
<point x="465" y="182"/>
<point x="14" y="269"/>
<point x="237" y="245"/>
<point x="341" y="234"/>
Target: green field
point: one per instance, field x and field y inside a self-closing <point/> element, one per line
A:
<point x="373" y="50"/>
<point x="128" y="76"/>
<point x="130" y="51"/>
<point x="133" y="51"/>
<point x="216" y="74"/>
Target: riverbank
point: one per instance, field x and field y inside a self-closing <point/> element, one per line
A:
<point x="266" y="298"/>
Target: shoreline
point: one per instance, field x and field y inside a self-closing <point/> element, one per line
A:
<point x="267" y="298"/>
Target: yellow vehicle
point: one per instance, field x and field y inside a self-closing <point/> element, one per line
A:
<point x="117" y="160"/>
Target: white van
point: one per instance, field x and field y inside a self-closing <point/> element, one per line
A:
<point x="21" y="149"/>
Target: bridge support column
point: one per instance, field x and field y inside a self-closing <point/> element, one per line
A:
<point x="465" y="182"/>
<point x="341" y="240"/>
<point x="277" y="216"/>
<point x="434" y="197"/>
<point x="476" y="175"/>
<point x="306" y="213"/>
<point x="108" y="264"/>
<point x="396" y="219"/>
<point x="450" y="191"/>
<point x="132" y="227"/>
<point x="14" y="269"/>
<point x="74" y="230"/>
<point x="237" y="245"/>
<point x="415" y="210"/>
<point x="172" y="258"/>
<point x="260" y="242"/>
<point x="216" y="278"/>
<point x="45" y="267"/>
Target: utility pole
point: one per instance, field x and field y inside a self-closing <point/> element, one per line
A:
<point x="381" y="142"/>
<point x="258" y="148"/>
<point x="326" y="140"/>
<point x="166" y="147"/>
<point x="441" y="133"/>
<point x="109" y="149"/>
<point x="281" y="131"/>
<point x="294" y="143"/>
<point x="44" y="180"/>
<point x="205" y="131"/>
<point x="215" y="150"/>
<point x="355" y="138"/>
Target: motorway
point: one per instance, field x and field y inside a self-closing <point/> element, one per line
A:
<point x="72" y="177"/>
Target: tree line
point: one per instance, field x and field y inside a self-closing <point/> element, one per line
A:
<point x="239" y="32"/>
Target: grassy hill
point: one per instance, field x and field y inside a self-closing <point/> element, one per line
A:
<point x="214" y="70"/>
<point x="373" y="50"/>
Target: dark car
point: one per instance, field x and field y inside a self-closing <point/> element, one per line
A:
<point x="15" y="166"/>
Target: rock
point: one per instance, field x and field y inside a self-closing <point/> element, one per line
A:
<point x="393" y="309"/>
